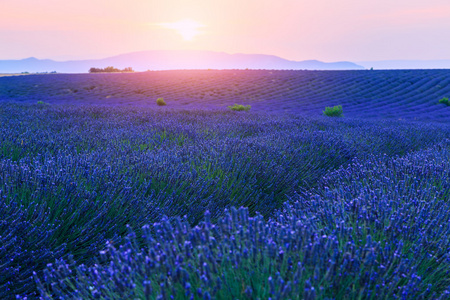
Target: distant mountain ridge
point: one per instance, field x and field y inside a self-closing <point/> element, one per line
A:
<point x="171" y="60"/>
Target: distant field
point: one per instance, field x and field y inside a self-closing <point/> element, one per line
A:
<point x="7" y="75"/>
<point x="398" y="94"/>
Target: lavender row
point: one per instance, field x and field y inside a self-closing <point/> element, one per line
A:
<point x="72" y="178"/>
<point x="380" y="234"/>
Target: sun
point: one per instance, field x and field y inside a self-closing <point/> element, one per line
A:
<point x="187" y="28"/>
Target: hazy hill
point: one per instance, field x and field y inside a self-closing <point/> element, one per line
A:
<point x="170" y="60"/>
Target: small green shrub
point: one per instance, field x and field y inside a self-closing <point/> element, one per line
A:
<point x="445" y="101"/>
<point x="42" y="103"/>
<point x="239" y="107"/>
<point x="161" y="102"/>
<point x="335" y="111"/>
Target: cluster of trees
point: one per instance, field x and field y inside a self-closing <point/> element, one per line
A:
<point x="109" y="70"/>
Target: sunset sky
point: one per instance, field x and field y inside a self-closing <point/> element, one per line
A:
<point x="327" y="30"/>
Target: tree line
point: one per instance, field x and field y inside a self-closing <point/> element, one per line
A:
<point x="110" y="70"/>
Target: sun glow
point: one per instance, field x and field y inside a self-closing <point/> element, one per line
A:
<point x="187" y="28"/>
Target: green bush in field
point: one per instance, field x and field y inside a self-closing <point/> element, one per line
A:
<point x="161" y="102"/>
<point x="239" y="107"/>
<point x="335" y="111"/>
<point x="42" y="103"/>
<point x="445" y="101"/>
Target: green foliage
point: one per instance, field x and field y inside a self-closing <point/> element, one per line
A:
<point x="445" y="101"/>
<point x="335" y="111"/>
<point x="239" y="107"/>
<point x="161" y="102"/>
<point x="110" y="70"/>
<point x="42" y="103"/>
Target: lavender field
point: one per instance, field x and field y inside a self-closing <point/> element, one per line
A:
<point x="105" y="195"/>
<point x="393" y="94"/>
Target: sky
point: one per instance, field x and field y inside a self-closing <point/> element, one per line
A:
<point x="326" y="30"/>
